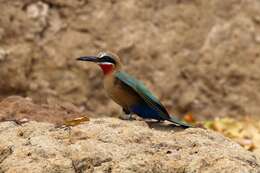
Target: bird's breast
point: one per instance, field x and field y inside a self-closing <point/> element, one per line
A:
<point x="119" y="92"/>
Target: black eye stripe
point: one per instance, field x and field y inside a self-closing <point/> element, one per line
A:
<point x="107" y="59"/>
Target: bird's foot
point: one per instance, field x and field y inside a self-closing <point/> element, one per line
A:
<point x="127" y="117"/>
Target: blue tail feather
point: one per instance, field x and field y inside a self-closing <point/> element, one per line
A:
<point x="147" y="112"/>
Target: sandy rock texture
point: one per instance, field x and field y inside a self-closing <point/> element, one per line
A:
<point x="197" y="56"/>
<point x="113" y="145"/>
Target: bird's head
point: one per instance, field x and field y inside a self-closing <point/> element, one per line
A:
<point x="108" y="62"/>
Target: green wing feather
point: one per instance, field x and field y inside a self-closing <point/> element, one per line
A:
<point x="143" y="92"/>
<point x="148" y="97"/>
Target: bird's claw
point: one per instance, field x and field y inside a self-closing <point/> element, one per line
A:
<point x="126" y="117"/>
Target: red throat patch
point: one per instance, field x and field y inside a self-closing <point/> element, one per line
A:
<point x="106" y="67"/>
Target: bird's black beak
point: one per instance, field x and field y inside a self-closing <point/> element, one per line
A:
<point x="88" y="58"/>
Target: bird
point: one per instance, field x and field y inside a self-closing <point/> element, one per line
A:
<point x="128" y="92"/>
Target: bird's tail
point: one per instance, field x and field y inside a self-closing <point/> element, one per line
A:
<point x="178" y="122"/>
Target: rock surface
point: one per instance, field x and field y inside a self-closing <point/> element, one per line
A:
<point x="113" y="145"/>
<point x="203" y="55"/>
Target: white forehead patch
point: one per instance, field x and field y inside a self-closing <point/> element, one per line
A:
<point x="101" y="54"/>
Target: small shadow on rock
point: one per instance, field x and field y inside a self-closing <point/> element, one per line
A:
<point x="163" y="126"/>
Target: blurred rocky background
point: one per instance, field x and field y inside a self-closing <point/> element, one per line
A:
<point x="198" y="56"/>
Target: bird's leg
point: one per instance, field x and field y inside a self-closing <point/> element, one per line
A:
<point x="127" y="115"/>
